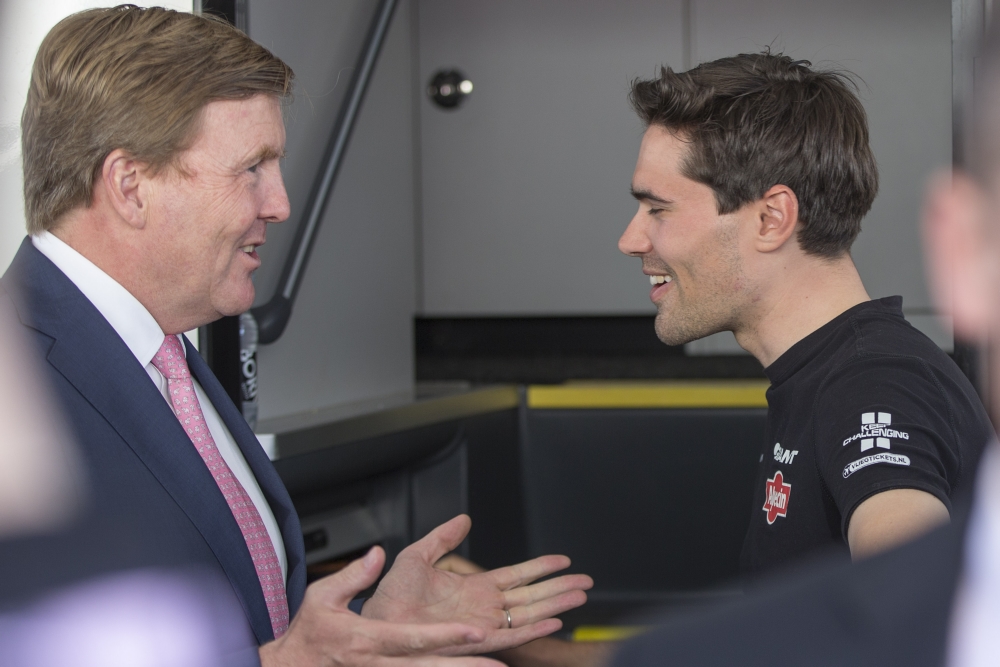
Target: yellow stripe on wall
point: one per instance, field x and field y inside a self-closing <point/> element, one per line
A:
<point x="606" y="633"/>
<point x="662" y="394"/>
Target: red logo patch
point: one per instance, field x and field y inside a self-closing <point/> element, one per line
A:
<point x="776" y="494"/>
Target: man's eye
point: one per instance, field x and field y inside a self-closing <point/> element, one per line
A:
<point x="253" y="169"/>
<point x="655" y="211"/>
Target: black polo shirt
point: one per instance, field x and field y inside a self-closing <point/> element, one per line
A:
<point x="864" y="404"/>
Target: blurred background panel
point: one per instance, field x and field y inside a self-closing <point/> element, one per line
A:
<point x="526" y="185"/>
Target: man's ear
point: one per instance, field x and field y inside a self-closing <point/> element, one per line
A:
<point x="777" y="217"/>
<point x="961" y="253"/>
<point x="123" y="187"/>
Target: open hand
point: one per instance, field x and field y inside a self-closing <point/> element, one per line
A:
<point x="325" y="633"/>
<point x="544" y="651"/>
<point x="414" y="591"/>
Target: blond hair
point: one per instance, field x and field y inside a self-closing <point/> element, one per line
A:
<point x="131" y="79"/>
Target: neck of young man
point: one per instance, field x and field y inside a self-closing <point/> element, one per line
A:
<point x="800" y="300"/>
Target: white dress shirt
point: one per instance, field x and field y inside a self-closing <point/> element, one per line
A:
<point x="144" y="337"/>
<point x="974" y="640"/>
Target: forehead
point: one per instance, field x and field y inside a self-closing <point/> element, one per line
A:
<point x="237" y="130"/>
<point x="661" y="156"/>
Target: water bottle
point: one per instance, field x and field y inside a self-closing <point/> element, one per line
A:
<point x="248" y="368"/>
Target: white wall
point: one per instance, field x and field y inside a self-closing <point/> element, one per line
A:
<point x="526" y="186"/>
<point x="23" y="25"/>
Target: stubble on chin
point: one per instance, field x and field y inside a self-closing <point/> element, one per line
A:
<point x="678" y="329"/>
<point x="719" y="304"/>
<point x="684" y="320"/>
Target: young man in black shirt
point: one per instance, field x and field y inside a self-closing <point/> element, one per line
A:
<point x="752" y="179"/>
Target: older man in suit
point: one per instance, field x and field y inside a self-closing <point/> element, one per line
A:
<point x="151" y="143"/>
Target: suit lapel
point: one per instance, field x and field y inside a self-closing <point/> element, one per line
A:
<point x="88" y="352"/>
<point x="267" y="477"/>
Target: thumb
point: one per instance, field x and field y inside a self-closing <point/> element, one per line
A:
<point x="341" y="587"/>
<point x="443" y="539"/>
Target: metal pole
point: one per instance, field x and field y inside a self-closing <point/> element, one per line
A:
<point x="273" y="316"/>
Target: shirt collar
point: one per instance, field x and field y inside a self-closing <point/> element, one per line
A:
<point x="124" y="313"/>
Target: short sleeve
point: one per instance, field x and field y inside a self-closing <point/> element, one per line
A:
<point x="884" y="422"/>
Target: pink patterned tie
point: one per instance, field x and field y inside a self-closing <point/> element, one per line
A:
<point x="170" y="361"/>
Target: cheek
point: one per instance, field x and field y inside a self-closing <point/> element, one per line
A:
<point x="667" y="244"/>
<point x="228" y="207"/>
<point x="230" y="225"/>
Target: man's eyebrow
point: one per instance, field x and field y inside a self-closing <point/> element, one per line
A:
<point x="646" y="195"/>
<point x="267" y="153"/>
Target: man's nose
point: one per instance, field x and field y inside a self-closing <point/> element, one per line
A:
<point x="634" y="240"/>
<point x="276" y="206"/>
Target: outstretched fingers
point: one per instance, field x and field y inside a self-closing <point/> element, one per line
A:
<point x="537" y="612"/>
<point x="550" y="588"/>
<point x="528" y="571"/>
<point x="500" y="640"/>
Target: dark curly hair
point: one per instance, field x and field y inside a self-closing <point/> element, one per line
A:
<point x="758" y="120"/>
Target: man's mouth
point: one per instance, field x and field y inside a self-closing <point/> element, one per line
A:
<point x="660" y="284"/>
<point x="250" y="252"/>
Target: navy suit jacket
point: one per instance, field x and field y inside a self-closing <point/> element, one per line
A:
<point x="137" y="455"/>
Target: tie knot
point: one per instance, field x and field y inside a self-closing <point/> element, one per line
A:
<point x="170" y="360"/>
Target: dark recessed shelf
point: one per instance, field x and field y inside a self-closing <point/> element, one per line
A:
<point x="556" y="349"/>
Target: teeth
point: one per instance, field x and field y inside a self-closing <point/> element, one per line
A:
<point x="659" y="280"/>
<point x="248" y="249"/>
